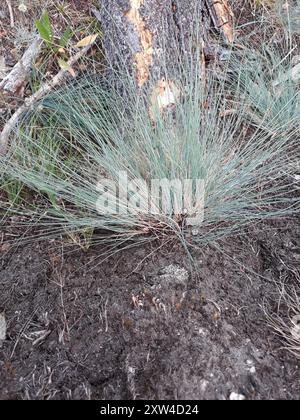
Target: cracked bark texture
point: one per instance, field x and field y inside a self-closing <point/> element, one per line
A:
<point x="145" y="36"/>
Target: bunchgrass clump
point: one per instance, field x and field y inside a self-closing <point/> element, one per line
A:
<point x="266" y="80"/>
<point x="92" y="130"/>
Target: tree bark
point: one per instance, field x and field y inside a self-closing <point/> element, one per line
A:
<point x="143" y="36"/>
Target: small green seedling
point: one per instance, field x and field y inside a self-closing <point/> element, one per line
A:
<point x="45" y="29"/>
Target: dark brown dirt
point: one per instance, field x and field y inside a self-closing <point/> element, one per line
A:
<point x="148" y="325"/>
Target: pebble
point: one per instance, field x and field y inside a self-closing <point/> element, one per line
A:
<point x="236" y="397"/>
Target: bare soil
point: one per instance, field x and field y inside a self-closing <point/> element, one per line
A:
<point x="146" y="323"/>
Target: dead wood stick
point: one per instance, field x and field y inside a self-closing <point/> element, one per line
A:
<point x="32" y="100"/>
<point x="18" y="75"/>
<point x="222" y="17"/>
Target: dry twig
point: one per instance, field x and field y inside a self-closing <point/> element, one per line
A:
<point x="19" y="74"/>
<point x="32" y="100"/>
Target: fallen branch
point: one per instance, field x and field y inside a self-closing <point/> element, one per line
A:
<point x="32" y="100"/>
<point x="19" y="74"/>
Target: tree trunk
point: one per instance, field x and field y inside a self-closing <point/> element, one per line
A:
<point x="143" y="36"/>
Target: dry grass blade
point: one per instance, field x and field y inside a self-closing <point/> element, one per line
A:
<point x="286" y="323"/>
<point x="11" y="13"/>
